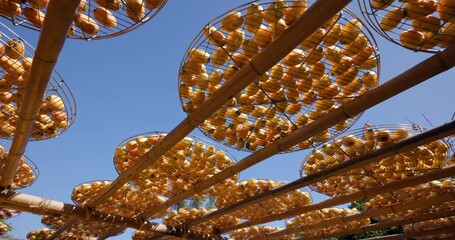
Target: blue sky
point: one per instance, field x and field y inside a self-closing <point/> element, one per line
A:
<point x="129" y="85"/>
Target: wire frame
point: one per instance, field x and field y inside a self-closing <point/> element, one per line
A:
<point x="95" y="19"/>
<point x="182" y="215"/>
<point x="252" y="187"/>
<point x="189" y="162"/>
<point x="255" y="231"/>
<point x="364" y="140"/>
<point x="26" y="173"/>
<point x="336" y="64"/>
<point x="323" y="215"/>
<point x="81" y="229"/>
<point x="426" y="26"/>
<point x="127" y="201"/>
<point x="416" y="193"/>
<point x="58" y="108"/>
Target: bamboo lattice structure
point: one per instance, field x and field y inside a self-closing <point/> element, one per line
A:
<point x="368" y="214"/>
<point x="417" y="74"/>
<point x="386" y="224"/>
<point x="342" y="199"/>
<point x="356" y="162"/>
<point x="51" y="41"/>
<point x="302" y="28"/>
<point x="421" y="72"/>
<point x="423" y="233"/>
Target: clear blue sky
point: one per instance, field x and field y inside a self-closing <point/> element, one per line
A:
<point x="128" y="85"/>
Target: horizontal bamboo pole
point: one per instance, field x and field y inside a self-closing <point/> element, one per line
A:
<point x="368" y="193"/>
<point x="447" y="197"/>
<point x="57" y="22"/>
<point x="430" y="67"/>
<point x="386" y="224"/>
<point x="42" y="206"/>
<point x="298" y="31"/>
<point x="422" y="233"/>
<point x="356" y="162"/>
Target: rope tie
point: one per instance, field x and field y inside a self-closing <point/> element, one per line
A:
<point x="42" y="207"/>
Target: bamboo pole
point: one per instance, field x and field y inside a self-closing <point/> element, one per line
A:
<point x="368" y="193"/>
<point x="303" y="27"/>
<point x="419" y="73"/>
<point x="446" y="197"/>
<point x="422" y="233"/>
<point x="381" y="225"/>
<point x="58" y="19"/>
<point x="42" y="206"/>
<point x="356" y="162"/>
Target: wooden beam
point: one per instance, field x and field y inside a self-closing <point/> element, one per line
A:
<point x="57" y="22"/>
<point x="356" y="162"/>
<point x="342" y="199"/>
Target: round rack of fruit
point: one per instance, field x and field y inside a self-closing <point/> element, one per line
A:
<point x="182" y="215"/>
<point x="370" y="138"/>
<point x="58" y="108"/>
<point x="255" y="231"/>
<point x="26" y="173"/>
<point x="85" y="229"/>
<point x="336" y="64"/>
<point x="127" y="201"/>
<point x="192" y="160"/>
<point x="419" y="25"/>
<point x="251" y="187"/>
<point x="95" y="19"/>
<point x="45" y="233"/>
<point x="324" y="215"/>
